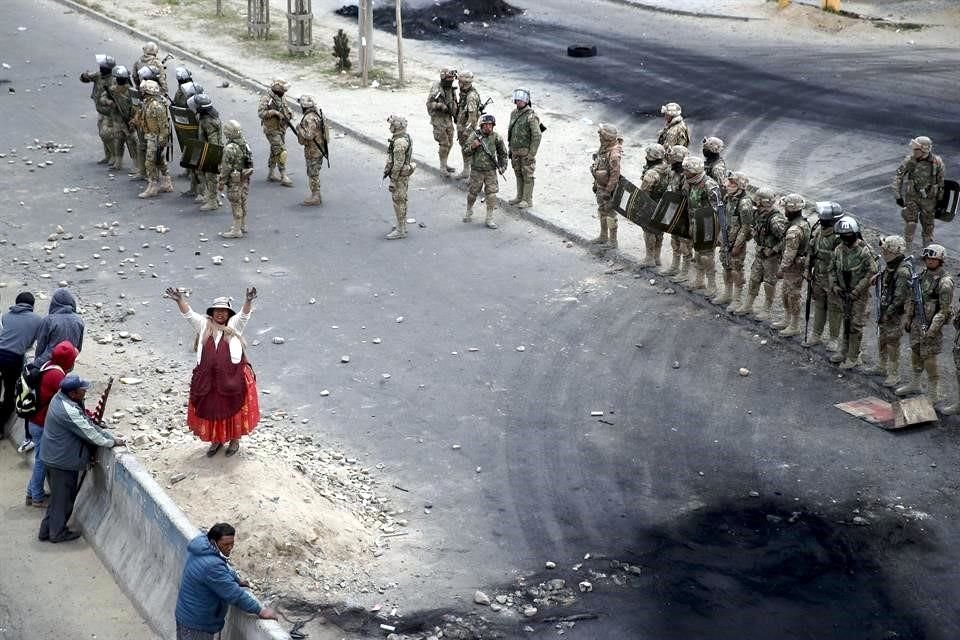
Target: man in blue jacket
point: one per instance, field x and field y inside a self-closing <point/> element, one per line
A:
<point x="209" y="585"/>
<point x="19" y="328"/>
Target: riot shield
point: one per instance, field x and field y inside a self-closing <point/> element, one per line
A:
<point x="201" y="156"/>
<point x="946" y="207"/>
<point x="670" y="215"/>
<point x="704" y="228"/>
<point x="633" y="204"/>
<point x="184" y="124"/>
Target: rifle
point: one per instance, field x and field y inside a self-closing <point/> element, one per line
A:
<point x="479" y="135"/>
<point x="810" y="262"/>
<point x="97" y="417"/>
<point x="847" y="299"/>
<point x="721" y="208"/>
<point x="113" y="98"/>
<point x="919" y="309"/>
<point x="878" y="292"/>
<point x="483" y="107"/>
<point x="323" y="149"/>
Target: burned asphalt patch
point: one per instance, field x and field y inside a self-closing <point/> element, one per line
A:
<point x="438" y="19"/>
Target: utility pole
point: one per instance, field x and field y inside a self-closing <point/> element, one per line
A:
<point x="400" y="40"/>
<point x="831" y="5"/>
<point x="366" y="38"/>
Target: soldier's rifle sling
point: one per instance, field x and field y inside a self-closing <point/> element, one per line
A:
<point x="113" y="99"/>
<point x="847" y="298"/>
<point x="878" y="291"/>
<point x="806" y="320"/>
<point x="919" y="309"/>
<point x="479" y="135"/>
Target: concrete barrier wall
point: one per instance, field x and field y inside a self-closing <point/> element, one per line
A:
<point x="141" y="536"/>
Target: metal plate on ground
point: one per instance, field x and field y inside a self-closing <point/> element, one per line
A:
<point x="949" y="200"/>
<point x="872" y="409"/>
<point x="633" y="204"/>
<point x="913" y="411"/>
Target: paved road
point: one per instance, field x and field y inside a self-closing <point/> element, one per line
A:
<point x="665" y="486"/>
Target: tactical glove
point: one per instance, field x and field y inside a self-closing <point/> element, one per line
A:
<point x="899" y="202"/>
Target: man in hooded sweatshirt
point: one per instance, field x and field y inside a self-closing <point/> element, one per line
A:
<point x="62" y="322"/>
<point x="209" y="585"/>
<point x="20" y="326"/>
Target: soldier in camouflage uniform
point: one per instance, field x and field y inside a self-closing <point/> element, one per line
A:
<point x="926" y="342"/>
<point x="523" y="140"/>
<point x="894" y="294"/>
<point x="150" y="59"/>
<point x="656" y="179"/>
<point x="236" y="167"/>
<point x="825" y="304"/>
<point x="674" y="131"/>
<point x="739" y="213"/>
<point x="769" y="228"/>
<point x="183" y="76"/>
<point x="399" y="168"/>
<point x="922" y="171"/>
<point x="701" y="190"/>
<point x="467" y="116"/>
<point x="853" y="271"/>
<point x="101" y="79"/>
<point x="118" y="100"/>
<point x="793" y="264"/>
<point x="275" y="117"/>
<point x="313" y="134"/>
<point x="606" y="176"/>
<point x="156" y="130"/>
<point x="713" y="162"/>
<point x="442" y="107"/>
<point x="211" y="132"/>
<point x="487" y="155"/>
<point x="682" y="249"/>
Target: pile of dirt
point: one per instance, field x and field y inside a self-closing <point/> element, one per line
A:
<point x="436" y="20"/>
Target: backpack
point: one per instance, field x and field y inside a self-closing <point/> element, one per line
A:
<point x="27" y="389"/>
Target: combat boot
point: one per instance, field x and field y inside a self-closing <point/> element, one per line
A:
<point x="284" y="178"/>
<point x="782" y="323"/>
<point x="527" y="201"/>
<point x="211" y="204"/>
<point x="519" y="198"/>
<point x="612" y="234"/>
<point x="878" y="367"/>
<point x="893" y="370"/>
<point x="853" y="352"/>
<point x="933" y="379"/>
<point x="234" y="231"/>
<point x="736" y="298"/>
<point x="468" y="215"/>
<point x="488" y="222"/>
<point x="602" y="238"/>
<point x="911" y="387"/>
<point x="399" y="231"/>
<point x="465" y="174"/>
<point x="711" y="275"/>
<point x="725" y="296"/>
<point x="952" y="409"/>
<point x="683" y="274"/>
<point x="167" y="185"/>
<point x="117" y="164"/>
<point x="696" y="284"/>
<point x="747" y="306"/>
<point x="793" y="329"/>
<point x="674" y="267"/>
<point x="764" y="313"/>
<point x="272" y="175"/>
<point x="150" y="191"/>
<point x="446" y="168"/>
<point x="312" y="200"/>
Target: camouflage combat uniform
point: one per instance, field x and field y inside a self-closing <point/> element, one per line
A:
<point x="313" y="134"/>
<point x="793" y="263"/>
<point x="850" y="274"/>
<point x="398" y="169"/>
<point x="716" y="169"/>
<point x="236" y="167"/>
<point x="442" y="107"/>
<point x="468" y="113"/>
<point x="894" y="293"/>
<point x="118" y="101"/>
<point x="211" y="132"/>
<point x="936" y="287"/>
<point x="523" y="140"/>
<point x="275" y="128"/>
<point x="826" y="305"/>
<point x="656" y="179"/>
<point x="675" y="133"/>
<point x="682" y="247"/>
<point x="924" y="186"/>
<point x="739" y="213"/>
<point x="606" y="176"/>
<point x="156" y="133"/>
<point x="769" y="227"/>
<point x="485" y="161"/>
<point x="147" y="60"/>
<point x="100" y="82"/>
<point x="702" y="192"/>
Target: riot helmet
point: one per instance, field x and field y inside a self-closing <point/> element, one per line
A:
<point x="183" y="75"/>
<point x="106" y="63"/>
<point x="828" y="212"/>
<point x="198" y="102"/>
<point x="121" y="75"/>
<point x="521" y="95"/>
<point x="848" y="229"/>
<point x="146" y="73"/>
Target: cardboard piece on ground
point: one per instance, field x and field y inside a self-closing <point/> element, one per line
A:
<point x="872" y="409"/>
<point x="913" y="411"/>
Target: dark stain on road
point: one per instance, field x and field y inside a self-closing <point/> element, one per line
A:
<point x="438" y="19"/>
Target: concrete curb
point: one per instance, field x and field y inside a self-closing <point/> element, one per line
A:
<point x="141" y="536"/>
<point x="680" y="12"/>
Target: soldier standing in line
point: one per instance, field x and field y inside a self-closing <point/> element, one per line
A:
<point x="156" y="129"/>
<point x="183" y="76"/>
<point x="926" y="341"/>
<point x="769" y="227"/>
<point x="313" y="134"/>
<point x="923" y="172"/>
<point x="119" y="101"/>
<point x="894" y="295"/>
<point x="275" y="117"/>
<point x="682" y="250"/>
<point x="101" y="79"/>
<point x="150" y="59"/>
<point x="713" y="163"/>
<point x="655" y="181"/>
<point x="487" y="155"/>
<point x="236" y="167"/>
<point x="442" y="107"/>
<point x="210" y="132"/>
<point x="468" y="114"/>
<point x="793" y="263"/>
<point x="674" y="131"/>
<point x="523" y="140"/>
<point x="826" y="306"/>
<point x="399" y="168"/>
<point x="739" y="209"/>
<point x="606" y="176"/>
<point x="701" y="190"/>
<point x="852" y="273"/>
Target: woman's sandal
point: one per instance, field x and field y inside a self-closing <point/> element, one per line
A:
<point x="214" y="447"/>
<point x="233" y="448"/>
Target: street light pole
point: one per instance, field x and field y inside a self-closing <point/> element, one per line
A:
<point x="400" y="40"/>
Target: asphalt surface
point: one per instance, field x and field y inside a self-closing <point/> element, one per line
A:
<point x="830" y="119"/>
<point x="663" y="481"/>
